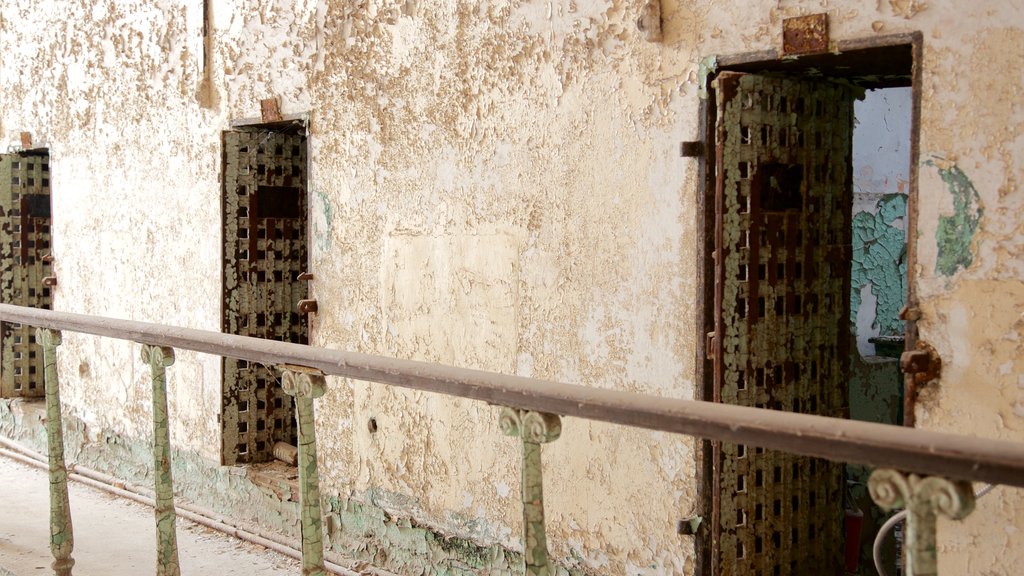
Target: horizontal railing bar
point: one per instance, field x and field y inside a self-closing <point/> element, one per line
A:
<point x="915" y="450"/>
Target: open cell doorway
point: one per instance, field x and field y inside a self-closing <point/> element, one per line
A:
<point x="785" y="232"/>
<point x="26" y="275"/>
<point x="265" y="255"/>
<point x="881" y="179"/>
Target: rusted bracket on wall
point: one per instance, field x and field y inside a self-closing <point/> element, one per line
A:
<point x="805" y="35"/>
<point x="270" y="110"/>
<point x="920" y="366"/>
<point x="923" y="363"/>
<point x="51" y="280"/>
<point x="691" y="149"/>
<point x="649" y="21"/>
<point x="307" y="305"/>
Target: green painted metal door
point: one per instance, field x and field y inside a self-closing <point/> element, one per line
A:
<point x="24" y="249"/>
<point x="783" y="204"/>
<point x="265" y="250"/>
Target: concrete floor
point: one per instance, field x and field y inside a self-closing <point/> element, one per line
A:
<point x="113" y="536"/>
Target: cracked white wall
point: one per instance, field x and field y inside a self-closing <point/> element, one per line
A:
<point x="496" y="186"/>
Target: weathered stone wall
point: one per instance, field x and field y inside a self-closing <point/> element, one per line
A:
<point x="495" y="185"/>
<point x="971" y="255"/>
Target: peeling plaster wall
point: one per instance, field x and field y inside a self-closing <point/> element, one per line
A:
<point x="496" y="186"/>
<point x="881" y="181"/>
<point x="970" y="118"/>
<point x="110" y="89"/>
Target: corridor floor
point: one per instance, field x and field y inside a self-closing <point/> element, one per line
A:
<point x="113" y="536"/>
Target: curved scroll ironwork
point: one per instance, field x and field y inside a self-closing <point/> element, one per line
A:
<point x="924" y="498"/>
<point x="159" y="358"/>
<point x="305" y="384"/>
<point x="534" y="428"/>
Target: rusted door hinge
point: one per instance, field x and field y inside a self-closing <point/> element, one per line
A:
<point x="910" y="313"/>
<point x="923" y="362"/>
<point x="691" y="149"/>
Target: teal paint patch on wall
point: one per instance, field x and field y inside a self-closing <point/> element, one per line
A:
<point x="955" y="233"/>
<point x="880" y="261"/>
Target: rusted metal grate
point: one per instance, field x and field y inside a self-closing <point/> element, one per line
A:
<point x="782" y="296"/>
<point x="24" y="245"/>
<point x="265" y="249"/>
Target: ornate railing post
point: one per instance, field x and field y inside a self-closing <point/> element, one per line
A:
<point x="924" y="498"/>
<point x="159" y="358"/>
<point x="305" y="384"/>
<point x="534" y="428"/>
<point x="62" y="539"/>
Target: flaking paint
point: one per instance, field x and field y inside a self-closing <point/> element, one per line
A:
<point x="880" y="262"/>
<point x="955" y="233"/>
<point x="547" y="133"/>
<point x="62" y="537"/>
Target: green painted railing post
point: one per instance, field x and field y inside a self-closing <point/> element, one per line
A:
<point x="534" y="428"/>
<point x="159" y="358"/>
<point x="924" y="498"/>
<point x="305" y="384"/>
<point x="62" y="539"/>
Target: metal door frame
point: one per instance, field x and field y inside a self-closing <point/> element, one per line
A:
<point x="858" y="51"/>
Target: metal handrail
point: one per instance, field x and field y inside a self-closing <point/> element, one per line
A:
<point x="532" y="411"/>
<point x="922" y="451"/>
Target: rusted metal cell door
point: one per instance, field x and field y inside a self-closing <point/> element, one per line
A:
<point x="782" y="262"/>
<point x="26" y="270"/>
<point x="265" y="250"/>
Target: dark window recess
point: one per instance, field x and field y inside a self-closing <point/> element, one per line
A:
<point x="779" y="187"/>
<point x="278" y="202"/>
